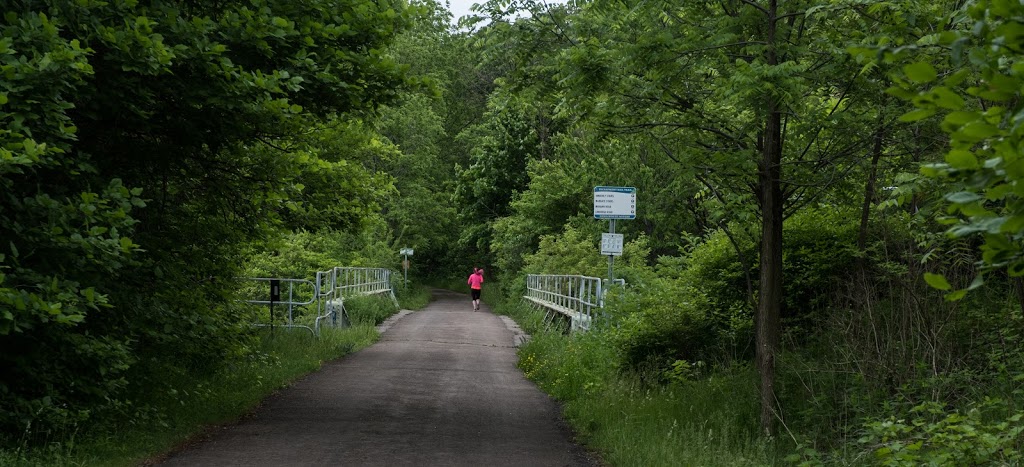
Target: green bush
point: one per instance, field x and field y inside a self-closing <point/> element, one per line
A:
<point x="820" y="253"/>
<point x="659" y="324"/>
<point x="985" y="433"/>
<point x="713" y="276"/>
<point x="296" y="256"/>
<point x="577" y="252"/>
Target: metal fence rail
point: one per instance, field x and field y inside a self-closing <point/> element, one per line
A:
<point x="301" y="292"/>
<point x="326" y="294"/>
<point x="338" y="283"/>
<point x="363" y="281"/>
<point x="576" y="297"/>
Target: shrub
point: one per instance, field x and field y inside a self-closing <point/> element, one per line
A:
<point x="820" y="252"/>
<point x="987" y="432"/>
<point x="715" y="278"/>
<point x="660" y="324"/>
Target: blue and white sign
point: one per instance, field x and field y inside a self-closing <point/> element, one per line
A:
<point x="614" y="202"/>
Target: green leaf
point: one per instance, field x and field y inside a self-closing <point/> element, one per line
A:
<point x="964" y="197"/>
<point x="901" y="93"/>
<point x="934" y="170"/>
<point x="937" y="281"/>
<point x="961" y="159"/>
<point x="947" y="99"/>
<point x="1013" y="225"/>
<point x="961" y="117"/>
<point x="920" y="72"/>
<point x="956" y="296"/>
<point x="915" y="115"/>
<point x="975" y="131"/>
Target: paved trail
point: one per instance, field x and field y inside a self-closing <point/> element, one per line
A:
<point x="440" y="388"/>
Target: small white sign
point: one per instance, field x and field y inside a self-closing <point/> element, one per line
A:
<point x="406" y="252"/>
<point x="611" y="244"/>
<point x="614" y="202"/>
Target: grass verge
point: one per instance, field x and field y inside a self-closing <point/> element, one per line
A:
<point x="189" y="404"/>
<point x="415" y="297"/>
<point x="709" y="420"/>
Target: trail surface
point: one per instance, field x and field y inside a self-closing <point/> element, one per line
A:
<point x="440" y="388"/>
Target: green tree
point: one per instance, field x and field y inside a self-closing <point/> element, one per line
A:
<point x="980" y="102"/>
<point x="754" y="99"/>
<point x="190" y="106"/>
<point x="504" y="143"/>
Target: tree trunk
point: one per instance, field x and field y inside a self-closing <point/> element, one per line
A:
<point x="769" y="303"/>
<point x="869" y="196"/>
<point x="769" y="300"/>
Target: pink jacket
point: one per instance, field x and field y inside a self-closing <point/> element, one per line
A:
<point x="475" y="280"/>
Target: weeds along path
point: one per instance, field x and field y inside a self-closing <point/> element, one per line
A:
<point x="441" y="387"/>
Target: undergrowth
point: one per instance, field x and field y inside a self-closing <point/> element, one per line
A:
<point x="685" y="417"/>
<point x="188" y="405"/>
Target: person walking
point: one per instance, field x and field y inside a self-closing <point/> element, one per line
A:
<point x="475" y="282"/>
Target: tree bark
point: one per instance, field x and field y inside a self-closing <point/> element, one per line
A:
<point x="769" y="302"/>
<point x="869" y="196"/>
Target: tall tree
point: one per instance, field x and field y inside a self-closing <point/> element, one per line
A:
<point x="755" y="98"/>
<point x="185" y="104"/>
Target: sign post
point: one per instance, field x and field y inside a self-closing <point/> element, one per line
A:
<point x="613" y="202"/>
<point x="406" y="253"/>
<point x="275" y="296"/>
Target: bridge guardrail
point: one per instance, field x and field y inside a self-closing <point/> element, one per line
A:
<point x="336" y="284"/>
<point x="326" y="293"/>
<point x="576" y="297"/>
<point x="295" y="298"/>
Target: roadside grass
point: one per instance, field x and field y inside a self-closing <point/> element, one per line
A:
<point x="415" y="297"/>
<point x="529" y="319"/>
<point x="632" y="424"/>
<point x="706" y="420"/>
<point x="189" y="404"/>
<point x="369" y="310"/>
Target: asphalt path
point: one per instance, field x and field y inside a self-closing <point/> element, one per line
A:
<point x="440" y="387"/>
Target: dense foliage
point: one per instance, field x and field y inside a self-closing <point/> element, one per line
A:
<point x="145" y="144"/>
<point x="828" y="194"/>
<point x="776" y="148"/>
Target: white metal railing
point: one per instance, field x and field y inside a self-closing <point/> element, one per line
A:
<point x="301" y="292"/>
<point x="326" y="293"/>
<point x="334" y="285"/>
<point x="576" y="297"/>
<point x="363" y="281"/>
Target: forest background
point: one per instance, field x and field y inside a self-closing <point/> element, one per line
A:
<point x="825" y="265"/>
